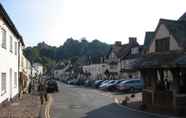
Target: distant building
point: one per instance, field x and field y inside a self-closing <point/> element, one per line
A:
<point x="96" y="71"/>
<point x="121" y="57"/>
<point x="132" y="53"/>
<point x="60" y="71"/>
<point x="37" y="69"/>
<point x="113" y="59"/>
<point x="10" y="48"/>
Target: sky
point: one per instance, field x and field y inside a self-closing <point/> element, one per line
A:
<point x="53" y="21"/>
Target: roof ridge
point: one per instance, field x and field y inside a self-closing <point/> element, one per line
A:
<point x="10" y="23"/>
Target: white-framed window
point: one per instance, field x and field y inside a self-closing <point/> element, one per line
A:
<point x="11" y="44"/>
<point x="15" y="43"/>
<point x="15" y="79"/>
<point x="3" y="45"/>
<point x="3" y="83"/>
<point x="135" y="50"/>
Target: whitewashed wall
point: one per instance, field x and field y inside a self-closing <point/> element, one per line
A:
<point x="95" y="69"/>
<point x="8" y="61"/>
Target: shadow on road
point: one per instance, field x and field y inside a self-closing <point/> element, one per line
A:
<point x="110" y="111"/>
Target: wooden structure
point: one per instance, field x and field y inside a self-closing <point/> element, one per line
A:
<point x="165" y="83"/>
<point x="163" y="67"/>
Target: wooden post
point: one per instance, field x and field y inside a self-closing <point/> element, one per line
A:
<point x="154" y="84"/>
<point x="176" y="76"/>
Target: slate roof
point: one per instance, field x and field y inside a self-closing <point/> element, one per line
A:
<point x="123" y="50"/>
<point x="148" y="39"/>
<point x="10" y="24"/>
<point x="177" y="29"/>
<point x="171" y="59"/>
<point x="183" y="17"/>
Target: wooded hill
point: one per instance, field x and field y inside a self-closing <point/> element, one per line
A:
<point x="74" y="50"/>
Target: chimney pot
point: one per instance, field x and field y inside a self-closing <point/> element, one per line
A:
<point x="118" y="43"/>
<point x="132" y="40"/>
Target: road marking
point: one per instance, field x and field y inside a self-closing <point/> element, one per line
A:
<point x="48" y="106"/>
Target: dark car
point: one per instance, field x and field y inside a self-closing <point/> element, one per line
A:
<point x="52" y="86"/>
<point x="97" y="83"/>
<point x="131" y="85"/>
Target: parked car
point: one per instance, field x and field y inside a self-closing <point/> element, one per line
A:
<point x="130" y="85"/>
<point x="52" y="86"/>
<point x="112" y="86"/>
<point x="97" y="83"/>
<point x="105" y="84"/>
<point x="87" y="83"/>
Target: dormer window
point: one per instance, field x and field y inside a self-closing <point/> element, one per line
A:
<point x="135" y="50"/>
<point x="162" y="45"/>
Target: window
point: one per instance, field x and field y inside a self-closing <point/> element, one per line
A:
<point x="3" y="38"/>
<point x="15" y="79"/>
<point x="3" y="83"/>
<point x="135" y="50"/>
<point x="15" y="43"/>
<point x="162" y="44"/>
<point x="11" y="44"/>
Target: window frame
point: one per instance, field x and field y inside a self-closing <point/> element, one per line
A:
<point x="3" y="38"/>
<point x="3" y="83"/>
<point x="15" y="47"/>
<point x="162" y="45"/>
<point x="15" y="79"/>
<point x="11" y="44"/>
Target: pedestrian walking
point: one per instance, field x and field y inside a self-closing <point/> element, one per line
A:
<point x="42" y="89"/>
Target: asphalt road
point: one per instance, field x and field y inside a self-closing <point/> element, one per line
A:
<point x="79" y="102"/>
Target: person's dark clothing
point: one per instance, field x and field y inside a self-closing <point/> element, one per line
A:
<point x="43" y="92"/>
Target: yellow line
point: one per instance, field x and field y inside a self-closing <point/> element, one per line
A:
<point x="47" y="108"/>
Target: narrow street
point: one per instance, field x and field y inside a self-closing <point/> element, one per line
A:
<point x="77" y="102"/>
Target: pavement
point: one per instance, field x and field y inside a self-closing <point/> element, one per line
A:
<point x="27" y="107"/>
<point x="79" y="102"/>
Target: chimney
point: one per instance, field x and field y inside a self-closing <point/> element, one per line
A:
<point x="132" y="40"/>
<point x="118" y="43"/>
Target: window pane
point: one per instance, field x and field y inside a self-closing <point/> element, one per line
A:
<point x="15" y="48"/>
<point x="3" y="38"/>
<point x="15" y="79"/>
<point x="11" y="45"/>
<point x="162" y="44"/>
<point x="3" y="83"/>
